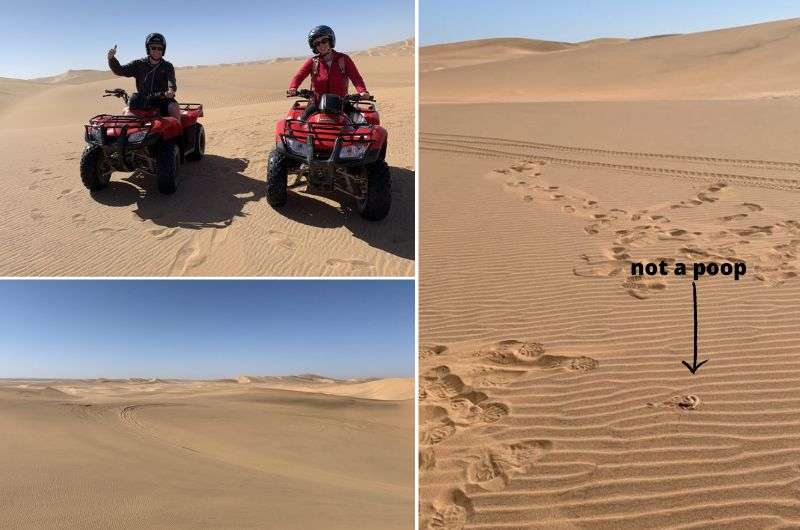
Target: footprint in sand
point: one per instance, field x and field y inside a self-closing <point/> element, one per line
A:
<point x="36" y="214"/>
<point x="734" y="217"/>
<point x="280" y="239"/>
<point x="704" y="197"/>
<point x="641" y="288"/>
<point x="431" y="351"/>
<point x="532" y="354"/>
<point x="752" y="206"/>
<point x="568" y="209"/>
<point x="497" y="465"/>
<point x="435" y="426"/>
<point x="492" y="377"/>
<point x="462" y="405"/>
<point x="618" y="253"/>
<point x="605" y="269"/>
<point x="348" y="267"/>
<point x="427" y="459"/>
<point x="753" y="230"/>
<point x="445" y="387"/>
<point x="676" y="234"/>
<point x="78" y="219"/>
<point x="189" y="255"/>
<point x="65" y="193"/>
<point x="451" y="511"/>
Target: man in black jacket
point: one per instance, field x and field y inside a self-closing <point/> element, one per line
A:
<point x="155" y="77"/>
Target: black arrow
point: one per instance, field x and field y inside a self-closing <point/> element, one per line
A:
<point x="694" y="366"/>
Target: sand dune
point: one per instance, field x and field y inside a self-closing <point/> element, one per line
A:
<point x="384" y="389"/>
<point x="552" y="393"/>
<point x="748" y="62"/>
<point x="77" y="77"/>
<point x="218" y="223"/>
<point x="190" y="454"/>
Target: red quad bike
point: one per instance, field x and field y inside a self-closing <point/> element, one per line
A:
<point x="142" y="140"/>
<point x="335" y="151"/>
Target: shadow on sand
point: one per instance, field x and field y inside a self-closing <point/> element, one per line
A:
<point x="210" y="194"/>
<point x="214" y="191"/>
<point x="394" y="234"/>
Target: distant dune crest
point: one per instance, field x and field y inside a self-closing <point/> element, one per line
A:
<point x="748" y="62"/>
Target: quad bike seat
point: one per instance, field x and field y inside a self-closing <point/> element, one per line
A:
<point x="331" y="104"/>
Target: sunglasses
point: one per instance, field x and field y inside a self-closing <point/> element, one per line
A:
<point x="157" y="48"/>
<point x="320" y="41"/>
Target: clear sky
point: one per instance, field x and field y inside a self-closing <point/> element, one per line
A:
<point x="579" y="20"/>
<point x="46" y="37"/>
<point x="206" y="329"/>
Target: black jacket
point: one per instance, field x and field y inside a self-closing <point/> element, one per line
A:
<point x="150" y="79"/>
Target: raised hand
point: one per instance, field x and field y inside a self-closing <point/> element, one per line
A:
<point x="112" y="52"/>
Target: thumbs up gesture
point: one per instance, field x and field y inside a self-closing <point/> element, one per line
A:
<point x="112" y="52"/>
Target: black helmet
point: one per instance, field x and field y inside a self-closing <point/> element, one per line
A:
<point x="321" y="31"/>
<point x="155" y="38"/>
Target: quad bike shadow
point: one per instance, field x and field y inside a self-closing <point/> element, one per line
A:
<point x="212" y="195"/>
<point x="394" y="234"/>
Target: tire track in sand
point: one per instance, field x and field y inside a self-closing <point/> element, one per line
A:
<point x="468" y="140"/>
<point x="779" y="183"/>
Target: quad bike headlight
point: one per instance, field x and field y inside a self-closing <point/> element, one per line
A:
<point x="297" y="147"/>
<point x="354" y="151"/>
<point x="137" y="137"/>
<point x="96" y="134"/>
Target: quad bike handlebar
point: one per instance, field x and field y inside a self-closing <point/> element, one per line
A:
<point x="117" y="92"/>
<point x="121" y="93"/>
<point x="303" y="93"/>
<point x="359" y="97"/>
<point x="308" y="94"/>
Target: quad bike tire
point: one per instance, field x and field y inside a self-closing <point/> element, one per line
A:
<point x="277" y="176"/>
<point x="375" y="206"/>
<point x="167" y="163"/>
<point x="95" y="170"/>
<point x="200" y="145"/>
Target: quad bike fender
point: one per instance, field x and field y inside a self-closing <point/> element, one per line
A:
<point x="379" y="137"/>
<point x="168" y="128"/>
<point x="280" y="128"/>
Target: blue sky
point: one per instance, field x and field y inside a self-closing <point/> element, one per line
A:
<point x="578" y="20"/>
<point x="46" y="37"/>
<point x="206" y="329"/>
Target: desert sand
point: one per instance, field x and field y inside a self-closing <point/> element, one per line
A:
<point x="289" y="452"/>
<point x="218" y="223"/>
<point x="552" y="393"/>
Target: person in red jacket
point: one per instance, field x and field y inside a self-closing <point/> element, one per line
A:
<point x="330" y="71"/>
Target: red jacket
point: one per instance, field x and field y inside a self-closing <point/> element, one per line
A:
<point x="329" y="80"/>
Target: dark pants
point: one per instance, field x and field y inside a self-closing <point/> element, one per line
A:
<point x="163" y="105"/>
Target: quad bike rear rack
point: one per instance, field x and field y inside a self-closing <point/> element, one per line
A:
<point x="191" y="106"/>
